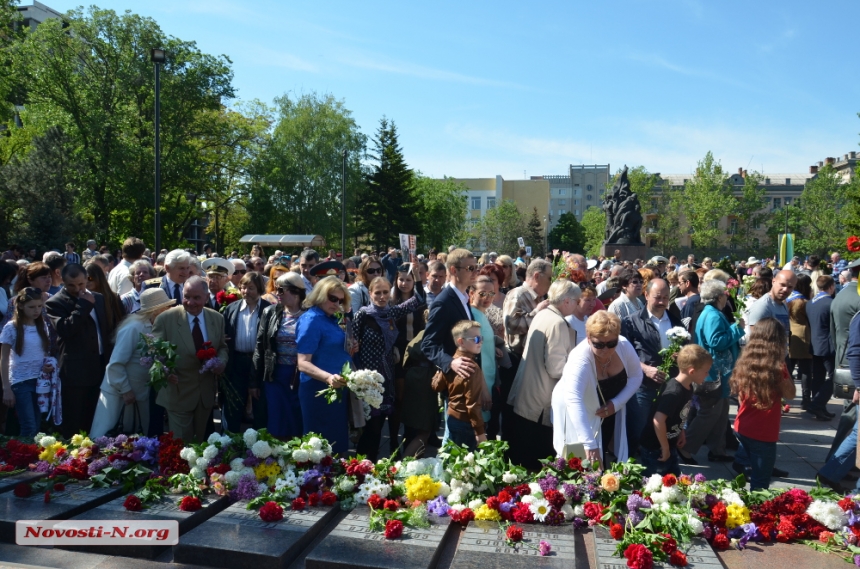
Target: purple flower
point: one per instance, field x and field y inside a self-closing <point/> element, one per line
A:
<point x="43" y="466"/>
<point x="250" y="459"/>
<point x="211" y="364"/>
<point x="635" y="502"/>
<point x="101" y="442"/>
<point x="97" y="466"/>
<point x="438" y="506"/>
<point x="120" y="440"/>
<point x="560" y="464"/>
<point x="699" y="477"/>
<point x="246" y="488"/>
<point x="579" y="523"/>
<point x="548" y="483"/>
<point x="709" y="532"/>
<point x="857" y="560"/>
<point x="146" y="362"/>
<point x="544" y="547"/>
<point x="635" y="517"/>
<point x="570" y="492"/>
<point x="120" y="464"/>
<point x="711" y="500"/>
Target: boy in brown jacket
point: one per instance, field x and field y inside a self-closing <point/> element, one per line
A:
<point x="465" y="394"/>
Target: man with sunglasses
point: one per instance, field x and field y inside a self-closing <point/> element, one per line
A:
<point x="239" y="271"/>
<point x="307" y="261"/>
<point x="631" y="287"/>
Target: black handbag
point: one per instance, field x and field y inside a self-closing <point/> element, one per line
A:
<point x="843" y="384"/>
<point x="119" y="428"/>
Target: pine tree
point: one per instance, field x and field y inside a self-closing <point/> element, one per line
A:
<point x="387" y="206"/>
<point x="534" y="235"/>
<point x="568" y="234"/>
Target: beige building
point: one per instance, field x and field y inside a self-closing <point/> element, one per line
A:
<point x="583" y="186"/>
<point x="483" y="194"/>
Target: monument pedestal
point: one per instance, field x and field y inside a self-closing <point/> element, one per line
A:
<point x="628" y="252"/>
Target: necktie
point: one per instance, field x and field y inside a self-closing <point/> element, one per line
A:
<point x="177" y="293"/>
<point x="197" y="335"/>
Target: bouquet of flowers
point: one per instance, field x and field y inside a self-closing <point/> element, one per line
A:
<point x="736" y="290"/>
<point x="677" y="337"/>
<point x="16" y="456"/>
<point x="209" y="357"/>
<point x="226" y="297"/>
<point x="159" y="356"/>
<point x="367" y="385"/>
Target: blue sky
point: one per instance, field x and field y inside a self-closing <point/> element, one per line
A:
<point x="479" y="88"/>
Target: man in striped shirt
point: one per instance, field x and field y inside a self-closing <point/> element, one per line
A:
<point x="71" y="256"/>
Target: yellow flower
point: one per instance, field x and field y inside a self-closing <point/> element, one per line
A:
<point x="267" y="472"/>
<point x="77" y="440"/>
<point x="685" y="480"/>
<point x="49" y="454"/>
<point x="421" y="488"/>
<point x="487" y="513"/>
<point x="75" y="453"/>
<point x="86" y="443"/>
<point x="736" y="515"/>
<point x="609" y="482"/>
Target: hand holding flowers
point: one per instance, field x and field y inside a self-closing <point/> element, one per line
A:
<point x="677" y="337"/>
<point x="367" y="385"/>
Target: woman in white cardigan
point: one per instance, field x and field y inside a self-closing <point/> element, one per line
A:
<point x="606" y="365"/>
<point x="126" y="380"/>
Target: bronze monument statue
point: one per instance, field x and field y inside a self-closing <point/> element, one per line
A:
<point x="623" y="214"/>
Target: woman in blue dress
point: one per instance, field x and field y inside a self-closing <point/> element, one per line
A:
<point x="321" y="341"/>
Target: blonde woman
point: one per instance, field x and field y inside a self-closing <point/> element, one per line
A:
<point x="511" y="280"/>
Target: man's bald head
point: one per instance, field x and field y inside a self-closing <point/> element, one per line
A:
<point x="783" y="285"/>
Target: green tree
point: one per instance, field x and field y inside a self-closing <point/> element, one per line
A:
<point x="388" y="202"/>
<point x="594" y="227"/>
<point x="707" y="198"/>
<point x="501" y="227"/>
<point x="442" y="204"/>
<point x="295" y="184"/>
<point x="668" y="226"/>
<point x="823" y="228"/>
<point x="568" y="234"/>
<point x="535" y="234"/>
<point x="749" y="213"/>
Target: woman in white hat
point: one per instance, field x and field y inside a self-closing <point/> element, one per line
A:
<point x="126" y="380"/>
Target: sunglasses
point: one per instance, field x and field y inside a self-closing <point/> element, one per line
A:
<point x="335" y="299"/>
<point x="374" y="271"/>
<point x="290" y="289"/>
<point x="635" y="282"/>
<point x="240" y="272"/>
<point x="601" y="345"/>
<point x="476" y="339"/>
<point x="486" y="294"/>
<point x="470" y="268"/>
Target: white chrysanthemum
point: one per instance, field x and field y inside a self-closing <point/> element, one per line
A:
<point x="214" y="438"/>
<point x="469" y="458"/>
<point x="528" y="499"/>
<point x="315" y="442"/>
<point x="828" y="514"/>
<point x="202" y="462"/>
<point x="210" y="452"/>
<point x="729" y="496"/>
<point x="695" y="524"/>
<point x="654" y="484"/>
<point x="316" y="456"/>
<point x="250" y="437"/>
<point x="579" y="510"/>
<point x="346" y="485"/>
<point x="261" y="449"/>
<point x="456" y="507"/>
<point x="198" y="473"/>
<point x="232" y="477"/>
<point x="38" y="438"/>
<point x="509" y="478"/>
<point x="475" y="504"/>
<point x="237" y="464"/>
<point x="444" y="490"/>
<point x="567" y="510"/>
<point x="535" y="488"/>
<point x="47" y="441"/>
<point x="301" y="455"/>
<point x="454" y="496"/>
<point x="540" y="509"/>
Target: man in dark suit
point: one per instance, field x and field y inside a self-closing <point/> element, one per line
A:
<point x="646" y="330"/>
<point x="79" y="318"/>
<point x="451" y="306"/>
<point x="823" y="349"/>
<point x="241" y="322"/>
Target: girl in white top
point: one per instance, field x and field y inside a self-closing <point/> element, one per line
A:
<point x="25" y="346"/>
<point x="577" y="413"/>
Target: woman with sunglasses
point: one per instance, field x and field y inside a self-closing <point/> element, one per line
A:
<point x="276" y="357"/>
<point x="588" y="402"/>
<point x="510" y="276"/>
<point x="376" y="330"/>
<point x="281" y="267"/>
<point x="321" y="342"/>
<point x="369" y="269"/>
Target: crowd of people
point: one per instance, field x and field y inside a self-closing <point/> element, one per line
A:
<point x="555" y="355"/>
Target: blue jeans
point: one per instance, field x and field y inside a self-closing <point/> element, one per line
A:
<point x="461" y="432"/>
<point x="653" y="465"/>
<point x="638" y="409"/>
<point x="758" y="455"/>
<point x="843" y="459"/>
<point x="27" y="407"/>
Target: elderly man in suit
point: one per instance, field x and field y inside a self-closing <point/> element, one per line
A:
<point x="177" y="263"/>
<point x="79" y="318"/>
<point x="190" y="396"/>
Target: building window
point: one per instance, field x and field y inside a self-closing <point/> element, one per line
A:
<point x="757" y="224"/>
<point x="576" y="213"/>
<point x="560" y="212"/>
<point x="733" y="227"/>
<point x="562" y="191"/>
<point x="476" y="203"/>
<point x="588" y="197"/>
<point x="491" y="203"/>
<point x="590" y="187"/>
<point x="777" y="203"/>
<point x="562" y="202"/>
<point x="575" y="202"/>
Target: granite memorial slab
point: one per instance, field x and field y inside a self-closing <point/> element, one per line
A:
<point x="484" y="544"/>
<point x="166" y="508"/>
<point x="236" y="538"/>
<point x="75" y="499"/>
<point x="352" y="544"/>
<point x="8" y="483"/>
<point x="699" y="553"/>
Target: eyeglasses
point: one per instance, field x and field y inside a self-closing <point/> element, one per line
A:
<point x="486" y="294"/>
<point x="635" y="282"/>
<point x="374" y="271"/>
<point x="601" y="345"/>
<point x="476" y="339"/>
<point x="335" y="299"/>
<point x="290" y="289"/>
<point x="240" y="272"/>
<point x="470" y="268"/>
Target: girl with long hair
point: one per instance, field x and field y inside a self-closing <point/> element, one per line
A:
<point x="25" y="345"/>
<point x="114" y="309"/>
<point x="761" y="381"/>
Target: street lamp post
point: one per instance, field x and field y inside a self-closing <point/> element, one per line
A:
<point x="157" y="56"/>
<point x="343" y="207"/>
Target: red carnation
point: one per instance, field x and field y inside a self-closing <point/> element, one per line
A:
<point x="328" y="498"/>
<point x="391" y="505"/>
<point x="669" y="545"/>
<point x="375" y="502"/>
<point x="574" y="463"/>
<point x="132" y="503"/>
<point x="721" y="541"/>
<point x="523" y="514"/>
<point x="593" y="511"/>
<point x="393" y="529"/>
<point x="463" y="517"/>
<point x="298" y="505"/>
<point x="670" y="480"/>
<point x="616" y="531"/>
<point x="211" y="353"/>
<point x="678" y="559"/>
<point x="555" y="498"/>
<point x="190" y="504"/>
<point x="314" y="499"/>
<point x="326" y="461"/>
<point x="59" y="487"/>
<point x="853" y="244"/>
<point x="523" y="490"/>
<point x="638" y="557"/>
<point x="505" y="496"/>
<point x="271" y="512"/>
<point x="493" y="502"/>
<point x="719" y="514"/>
<point x="514" y="533"/>
<point x="22" y="490"/>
